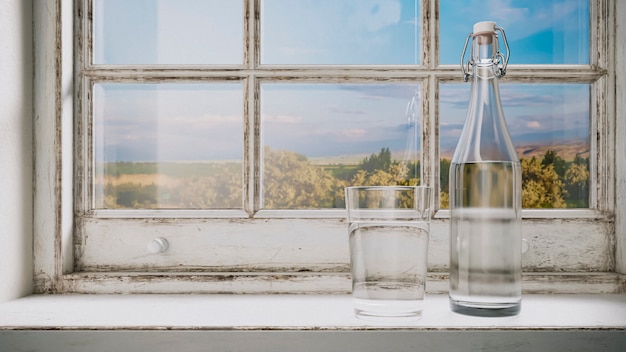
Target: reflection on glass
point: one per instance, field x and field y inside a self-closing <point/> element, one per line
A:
<point x="538" y="32"/>
<point x="168" y="32"/>
<point x="319" y="138"/>
<point x="355" y="32"/>
<point x="159" y="146"/>
<point x="549" y="126"/>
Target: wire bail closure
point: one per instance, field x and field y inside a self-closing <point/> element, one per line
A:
<point x="499" y="59"/>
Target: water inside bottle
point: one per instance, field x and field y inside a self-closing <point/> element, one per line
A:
<point x="485" y="257"/>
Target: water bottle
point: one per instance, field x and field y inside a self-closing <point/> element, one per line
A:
<point x="485" y="191"/>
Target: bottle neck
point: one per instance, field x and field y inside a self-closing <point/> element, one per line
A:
<point x="485" y="136"/>
<point x="485" y="55"/>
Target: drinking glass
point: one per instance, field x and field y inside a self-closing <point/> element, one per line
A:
<point x="389" y="229"/>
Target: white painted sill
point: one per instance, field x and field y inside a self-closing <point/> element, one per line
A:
<point x="254" y="322"/>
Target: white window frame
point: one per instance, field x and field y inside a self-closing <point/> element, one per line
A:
<point x="572" y="251"/>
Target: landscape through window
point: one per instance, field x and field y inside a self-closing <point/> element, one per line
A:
<point x="187" y="144"/>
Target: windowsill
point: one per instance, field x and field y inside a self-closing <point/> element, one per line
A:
<point x="254" y="322"/>
<point x="290" y="312"/>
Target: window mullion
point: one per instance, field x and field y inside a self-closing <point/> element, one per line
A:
<point x="252" y="151"/>
<point x="602" y="135"/>
<point x="84" y="13"/>
<point x="250" y="28"/>
<point x="430" y="33"/>
<point x="430" y="150"/>
<point x="429" y="138"/>
<point x="252" y="147"/>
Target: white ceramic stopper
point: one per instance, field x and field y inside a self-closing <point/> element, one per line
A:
<point x="484" y="27"/>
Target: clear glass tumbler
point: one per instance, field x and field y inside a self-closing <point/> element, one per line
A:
<point x="389" y="228"/>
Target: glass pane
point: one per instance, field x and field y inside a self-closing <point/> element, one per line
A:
<point x="313" y="32"/>
<point x="538" y="32"/>
<point x="168" y="32"/>
<point x="168" y="146"/>
<point x="319" y="138"/>
<point x="549" y="126"/>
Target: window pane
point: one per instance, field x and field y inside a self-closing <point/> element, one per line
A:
<point x="549" y="126"/>
<point x="356" y="32"/>
<point x="168" y="32"/>
<point x="538" y="32"/>
<point x="168" y="146"/>
<point x="319" y="138"/>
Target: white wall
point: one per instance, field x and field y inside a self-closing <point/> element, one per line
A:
<point x="16" y="161"/>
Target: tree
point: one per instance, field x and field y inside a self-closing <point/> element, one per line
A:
<point x="382" y="161"/>
<point x="444" y="183"/>
<point x="290" y="181"/>
<point x="444" y="200"/>
<point x="396" y="175"/>
<point x="577" y="181"/>
<point x="134" y="195"/>
<point x="221" y="189"/>
<point x="551" y="158"/>
<point x="444" y="174"/>
<point x="541" y="186"/>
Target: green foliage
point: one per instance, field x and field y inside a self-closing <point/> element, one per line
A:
<point x="343" y="172"/>
<point x="577" y="183"/>
<point x="203" y="186"/>
<point x="541" y="185"/>
<point x="569" y="188"/>
<point x="444" y="175"/>
<point x="444" y="200"/>
<point x="382" y="161"/>
<point x="548" y="183"/>
<point x="132" y="195"/>
<point x="551" y="158"/>
<point x="290" y="181"/>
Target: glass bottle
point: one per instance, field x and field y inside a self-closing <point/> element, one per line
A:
<point x="485" y="192"/>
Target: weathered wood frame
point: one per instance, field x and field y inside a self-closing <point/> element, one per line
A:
<point x="288" y="251"/>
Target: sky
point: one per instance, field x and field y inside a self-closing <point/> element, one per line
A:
<point x="204" y="121"/>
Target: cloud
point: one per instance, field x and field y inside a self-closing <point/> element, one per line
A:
<point x="347" y="111"/>
<point x="527" y="96"/>
<point x="504" y="10"/>
<point x="543" y="15"/>
<point x="533" y="124"/>
<point x="376" y="14"/>
<point x="450" y="130"/>
<point x="383" y="91"/>
<point x="203" y="121"/>
<point x="282" y="119"/>
<point x="352" y="134"/>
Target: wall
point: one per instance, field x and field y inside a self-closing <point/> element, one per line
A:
<point x="16" y="161"/>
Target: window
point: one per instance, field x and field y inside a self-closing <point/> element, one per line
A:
<point x="215" y="154"/>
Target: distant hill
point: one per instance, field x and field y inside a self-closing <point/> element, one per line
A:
<point x="567" y="151"/>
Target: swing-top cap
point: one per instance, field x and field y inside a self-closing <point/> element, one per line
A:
<point x="484" y="27"/>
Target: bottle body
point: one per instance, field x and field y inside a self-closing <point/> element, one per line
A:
<point x="485" y="198"/>
<point x="485" y="238"/>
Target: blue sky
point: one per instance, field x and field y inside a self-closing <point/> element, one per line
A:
<point x="535" y="113"/>
<point x="538" y="31"/>
<point x="168" y="121"/>
<point x="205" y="121"/>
